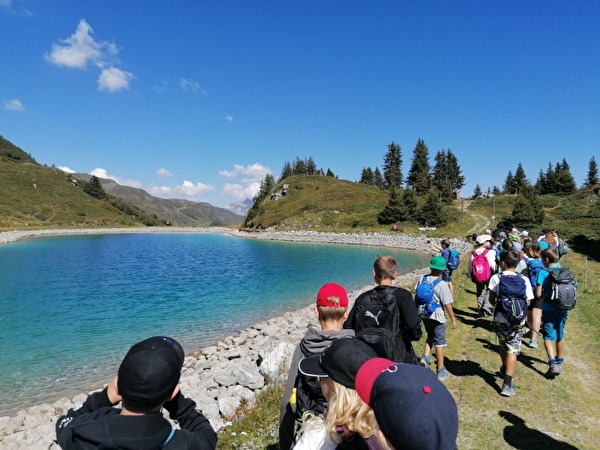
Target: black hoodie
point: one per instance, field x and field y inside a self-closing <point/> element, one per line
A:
<point x="97" y="425"/>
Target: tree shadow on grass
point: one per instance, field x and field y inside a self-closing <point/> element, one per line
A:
<point x="473" y="319"/>
<point x="470" y="369"/>
<point x="518" y="435"/>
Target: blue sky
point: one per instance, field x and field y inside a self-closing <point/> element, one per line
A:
<point x="200" y="99"/>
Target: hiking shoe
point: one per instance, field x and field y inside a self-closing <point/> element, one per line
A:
<point x="508" y="391"/>
<point x="533" y="344"/>
<point x="425" y="360"/>
<point x="554" y="370"/>
<point x="442" y="374"/>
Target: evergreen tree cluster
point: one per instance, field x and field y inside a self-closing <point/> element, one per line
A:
<point x="306" y="166"/>
<point x="556" y="180"/>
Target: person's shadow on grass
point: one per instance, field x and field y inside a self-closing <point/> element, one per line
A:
<point x="473" y="319"/>
<point x="518" y="435"/>
<point x="470" y="369"/>
<point x="524" y="359"/>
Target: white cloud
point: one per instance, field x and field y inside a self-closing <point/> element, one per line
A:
<point x="240" y="191"/>
<point x="5" y="2"/>
<point x="191" y="86"/>
<point x="228" y="173"/>
<point x="102" y="173"/>
<point x="229" y="118"/>
<point x="186" y="189"/>
<point x="113" y="79"/>
<point x="163" y="173"/>
<point x="66" y="169"/>
<point x="250" y="178"/>
<point x="14" y="105"/>
<point x="255" y="171"/>
<point x="80" y="49"/>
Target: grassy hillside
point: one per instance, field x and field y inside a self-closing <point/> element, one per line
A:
<point x="328" y="203"/>
<point x="325" y="203"/>
<point x="33" y="196"/>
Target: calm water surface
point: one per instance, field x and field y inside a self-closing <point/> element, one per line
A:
<point x="71" y="306"/>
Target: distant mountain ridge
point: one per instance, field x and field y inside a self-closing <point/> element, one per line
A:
<point x="181" y="213"/>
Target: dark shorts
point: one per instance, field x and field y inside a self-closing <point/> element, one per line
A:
<point x="436" y="332"/>
<point x="535" y="303"/>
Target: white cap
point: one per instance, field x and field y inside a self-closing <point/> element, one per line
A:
<point x="483" y="238"/>
<point x="523" y="233"/>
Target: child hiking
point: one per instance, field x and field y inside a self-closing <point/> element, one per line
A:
<point x="510" y="294"/>
<point x="432" y="297"/>
<point x="332" y="311"/>
<point x="480" y="269"/>
<point x="558" y="289"/>
<point x="386" y="317"/>
<point x="452" y="257"/>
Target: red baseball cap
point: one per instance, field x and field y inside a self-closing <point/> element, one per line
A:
<point x="332" y="294"/>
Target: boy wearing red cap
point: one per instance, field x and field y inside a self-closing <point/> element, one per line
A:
<point x="332" y="311"/>
<point x="148" y="380"/>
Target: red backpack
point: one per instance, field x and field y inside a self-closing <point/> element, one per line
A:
<point x="480" y="267"/>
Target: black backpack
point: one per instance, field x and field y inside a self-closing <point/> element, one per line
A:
<point x="560" y="288"/>
<point x="377" y="322"/>
<point x="309" y="397"/>
<point x="511" y="300"/>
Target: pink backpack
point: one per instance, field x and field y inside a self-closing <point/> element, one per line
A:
<point x="480" y="267"/>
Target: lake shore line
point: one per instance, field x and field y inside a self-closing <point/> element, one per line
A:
<point x="237" y="367"/>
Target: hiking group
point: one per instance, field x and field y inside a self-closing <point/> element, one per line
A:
<point x="520" y="284"/>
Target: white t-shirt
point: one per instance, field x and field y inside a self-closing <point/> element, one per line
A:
<point x="314" y="439"/>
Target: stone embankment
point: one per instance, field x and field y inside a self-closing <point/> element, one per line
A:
<point x="233" y="370"/>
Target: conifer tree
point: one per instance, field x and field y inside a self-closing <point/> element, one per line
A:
<point x="419" y="176"/>
<point x="551" y="180"/>
<point x="509" y="184"/>
<point x="330" y="173"/>
<point x="393" y="211"/>
<point x="392" y="164"/>
<point x="477" y="192"/>
<point x="366" y="176"/>
<point x="527" y="211"/>
<point x="565" y="183"/>
<point x="378" y="178"/>
<point x="520" y="180"/>
<point x="457" y="179"/>
<point x="432" y="212"/>
<point x="540" y="184"/>
<point x="311" y="167"/>
<point x="286" y="171"/>
<point x="496" y="191"/>
<point x="95" y="189"/>
<point x="410" y="208"/>
<point x="592" y="175"/>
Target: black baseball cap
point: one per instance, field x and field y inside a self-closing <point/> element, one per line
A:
<point x="150" y="371"/>
<point x="340" y="361"/>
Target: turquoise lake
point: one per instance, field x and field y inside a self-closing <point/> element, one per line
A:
<point x="71" y="306"/>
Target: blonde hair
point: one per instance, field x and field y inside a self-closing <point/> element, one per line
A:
<point x="345" y="409"/>
<point x="332" y="313"/>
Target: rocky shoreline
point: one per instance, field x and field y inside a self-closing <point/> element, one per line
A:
<point x="234" y="369"/>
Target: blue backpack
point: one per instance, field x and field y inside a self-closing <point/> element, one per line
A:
<point x="534" y="266"/>
<point x="453" y="259"/>
<point x="511" y="300"/>
<point x="424" y="298"/>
